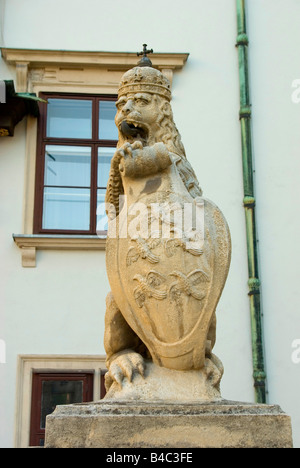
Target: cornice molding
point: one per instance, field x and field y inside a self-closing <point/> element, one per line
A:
<point x="36" y="69"/>
<point x="110" y="60"/>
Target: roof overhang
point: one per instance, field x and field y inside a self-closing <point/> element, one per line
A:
<point x="15" y="107"/>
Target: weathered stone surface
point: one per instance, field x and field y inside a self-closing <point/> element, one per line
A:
<point x="128" y="424"/>
<point x="168" y="385"/>
<point x="168" y="249"/>
<point x="168" y="255"/>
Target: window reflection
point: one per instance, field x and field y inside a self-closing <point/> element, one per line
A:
<point x="104" y="160"/>
<point x="102" y="221"/>
<point x="75" y="173"/>
<point x="107" y="127"/>
<point x="59" y="392"/>
<point x="66" y="208"/>
<point x="67" y="165"/>
<point x="69" y="118"/>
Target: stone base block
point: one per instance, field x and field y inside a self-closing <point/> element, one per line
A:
<point x="142" y="424"/>
<point x="169" y="385"/>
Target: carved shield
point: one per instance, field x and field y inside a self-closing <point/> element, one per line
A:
<point x="167" y="286"/>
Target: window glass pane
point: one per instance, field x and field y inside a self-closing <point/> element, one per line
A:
<point x="69" y="118"/>
<point x="107" y="126"/>
<point x="59" y="392"/>
<point x="101" y="213"/>
<point x="68" y="165"/>
<point x="66" y="208"/>
<point x="104" y="159"/>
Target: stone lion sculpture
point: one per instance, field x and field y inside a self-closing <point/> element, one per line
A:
<point x="166" y="276"/>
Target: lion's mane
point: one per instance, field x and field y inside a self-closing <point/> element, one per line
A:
<point x="169" y="135"/>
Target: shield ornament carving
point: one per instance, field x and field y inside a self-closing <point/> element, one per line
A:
<point x="166" y="289"/>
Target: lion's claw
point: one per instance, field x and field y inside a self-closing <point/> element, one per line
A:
<point x="125" y="366"/>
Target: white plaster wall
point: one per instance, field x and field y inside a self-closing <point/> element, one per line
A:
<point x="58" y="308"/>
<point x="274" y="60"/>
<point x="11" y="192"/>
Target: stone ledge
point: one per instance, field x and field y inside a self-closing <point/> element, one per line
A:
<point x="29" y="244"/>
<point x="144" y="424"/>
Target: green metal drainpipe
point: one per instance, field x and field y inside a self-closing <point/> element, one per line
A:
<point x="259" y="374"/>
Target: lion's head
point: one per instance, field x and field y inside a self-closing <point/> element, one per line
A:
<point x="144" y="114"/>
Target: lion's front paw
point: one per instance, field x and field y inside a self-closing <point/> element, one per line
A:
<point x="129" y="151"/>
<point x="125" y="365"/>
<point x="214" y="370"/>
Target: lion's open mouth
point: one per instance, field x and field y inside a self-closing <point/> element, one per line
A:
<point x="134" y="132"/>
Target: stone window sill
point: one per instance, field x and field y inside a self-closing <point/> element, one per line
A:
<point x="29" y="244"/>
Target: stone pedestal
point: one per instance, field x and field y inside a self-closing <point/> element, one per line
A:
<point x="142" y="424"/>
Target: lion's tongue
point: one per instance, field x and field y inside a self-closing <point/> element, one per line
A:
<point x="130" y="130"/>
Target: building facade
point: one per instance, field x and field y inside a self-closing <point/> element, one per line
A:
<point x="54" y="171"/>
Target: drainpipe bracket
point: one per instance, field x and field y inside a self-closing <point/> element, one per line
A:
<point x="249" y="202"/>
<point x="259" y="377"/>
<point x="242" y="40"/>
<point x="245" y="112"/>
<point x="254" y="286"/>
